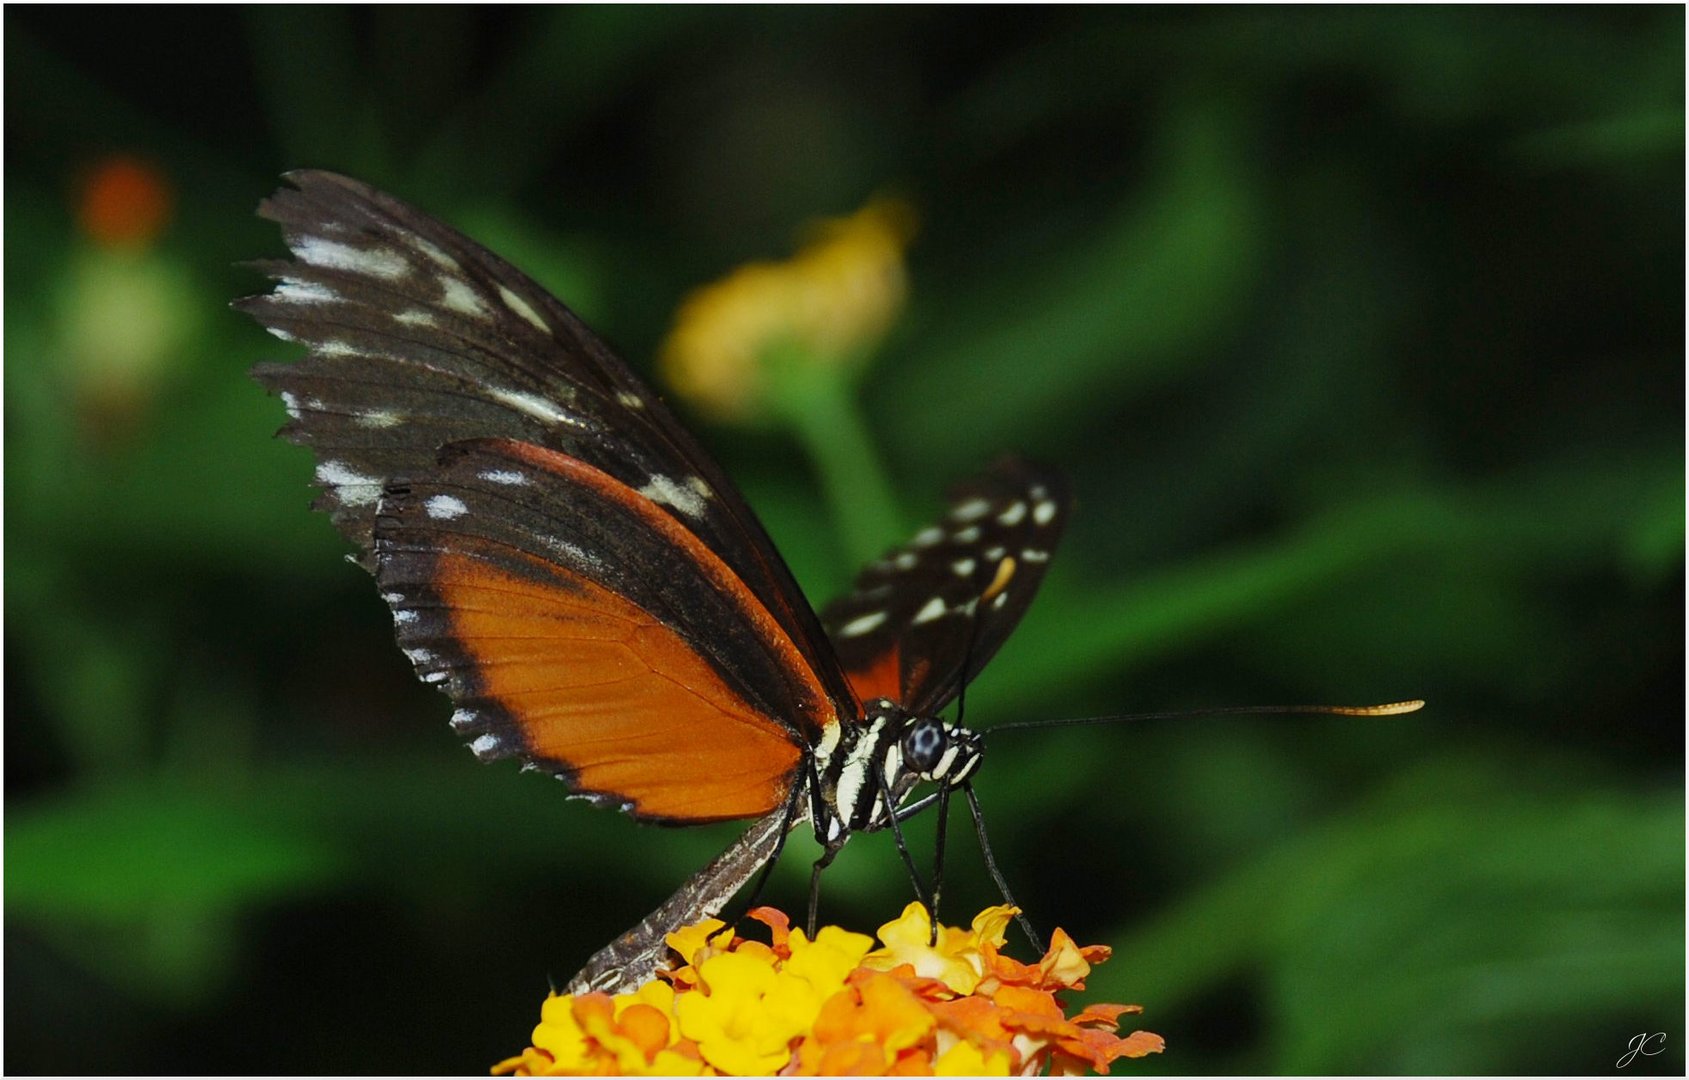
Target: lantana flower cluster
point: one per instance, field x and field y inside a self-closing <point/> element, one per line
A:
<point x="837" y="1006"/>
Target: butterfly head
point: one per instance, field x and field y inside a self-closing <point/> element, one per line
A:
<point x="883" y="759"/>
<point x="938" y="750"/>
<point x="921" y="748"/>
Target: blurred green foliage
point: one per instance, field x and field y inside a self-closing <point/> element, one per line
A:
<point x="1359" y="330"/>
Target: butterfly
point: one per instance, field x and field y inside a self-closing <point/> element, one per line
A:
<point x="569" y="566"/>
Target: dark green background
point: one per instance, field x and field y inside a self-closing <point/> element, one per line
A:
<point x="1360" y="332"/>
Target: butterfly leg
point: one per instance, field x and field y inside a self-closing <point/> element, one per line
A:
<point x="996" y="874"/>
<point x="821" y="864"/>
<point x="897" y="834"/>
<point x="904" y="813"/>
<point x="938" y="860"/>
<point x="830" y="832"/>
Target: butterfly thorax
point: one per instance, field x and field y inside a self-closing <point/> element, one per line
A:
<point x="876" y="765"/>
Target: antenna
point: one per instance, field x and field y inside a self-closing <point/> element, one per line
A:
<point x="1394" y="708"/>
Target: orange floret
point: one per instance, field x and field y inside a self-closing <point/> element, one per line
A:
<point x="829" y="1007"/>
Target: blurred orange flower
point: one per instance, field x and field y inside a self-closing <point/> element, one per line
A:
<point x="730" y="1006"/>
<point x="124" y="203"/>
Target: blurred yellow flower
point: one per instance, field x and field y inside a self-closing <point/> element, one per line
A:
<point x="735" y="1007"/>
<point x="827" y="305"/>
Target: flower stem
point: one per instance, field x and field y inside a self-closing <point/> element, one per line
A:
<point x="817" y="403"/>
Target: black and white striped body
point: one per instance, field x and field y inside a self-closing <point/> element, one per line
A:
<point x="871" y="769"/>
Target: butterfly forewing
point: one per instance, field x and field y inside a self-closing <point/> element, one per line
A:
<point x="569" y="566"/>
<point x="420" y="337"/>
<point x="952" y="594"/>
<point x="579" y="628"/>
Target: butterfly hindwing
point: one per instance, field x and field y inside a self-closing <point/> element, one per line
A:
<point x="420" y="337"/>
<point x="579" y="628"/>
<point x="952" y="594"/>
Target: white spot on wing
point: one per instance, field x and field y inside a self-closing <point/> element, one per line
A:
<point x="688" y="498"/>
<point x="1034" y="555"/>
<point x="533" y="405"/>
<point x="576" y="554"/>
<point x="630" y="400"/>
<point x="416" y="317"/>
<point x="1044" y="512"/>
<point x="461" y="298"/>
<point x="379" y="418"/>
<point x="905" y="560"/>
<point x="971" y="510"/>
<point x="928" y="537"/>
<point x="485" y="745"/>
<point x="276" y="331"/>
<point x="507" y="477"/>
<point x="463" y="718"/>
<point x="1013" y="514"/>
<point x="521" y="307"/>
<point x="862" y="624"/>
<point x="304" y="292"/>
<point x="376" y="262"/>
<point x="351" y="487"/>
<point x="445" y="507"/>
<point x="963" y="567"/>
<point x="429" y="249"/>
<point x="405" y="616"/>
<point x="933" y="609"/>
<point x="967" y="535"/>
<point x="291" y="404"/>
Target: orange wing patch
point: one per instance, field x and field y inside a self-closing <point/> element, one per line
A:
<point x="881" y="679"/>
<point x="602" y="688"/>
<point x="814" y="712"/>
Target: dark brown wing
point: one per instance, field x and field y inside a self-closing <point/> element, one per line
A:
<point x="420" y="337"/>
<point x="954" y="592"/>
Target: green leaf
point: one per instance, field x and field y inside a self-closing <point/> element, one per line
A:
<point x="1409" y="933"/>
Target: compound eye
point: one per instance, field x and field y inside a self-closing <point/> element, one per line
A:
<point x="924" y="745"/>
